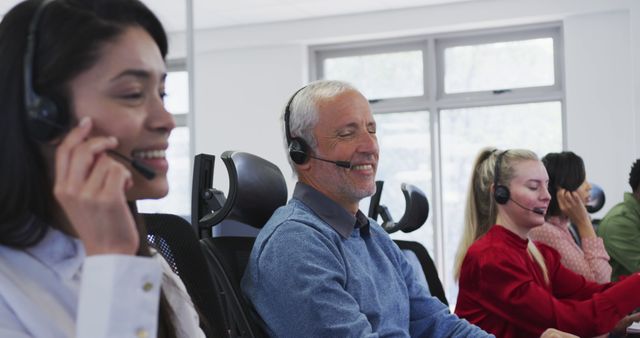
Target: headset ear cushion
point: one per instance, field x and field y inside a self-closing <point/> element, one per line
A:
<point x="501" y="194"/>
<point x="44" y="122"/>
<point x="298" y="151"/>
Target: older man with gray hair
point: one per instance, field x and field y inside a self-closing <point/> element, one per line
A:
<point x="320" y="267"/>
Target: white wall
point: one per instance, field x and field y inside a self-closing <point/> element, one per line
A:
<point x="244" y="75"/>
<point x="240" y="94"/>
<point x="635" y="72"/>
<point x="599" y="95"/>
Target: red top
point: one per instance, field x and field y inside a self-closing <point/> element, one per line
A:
<point x="502" y="290"/>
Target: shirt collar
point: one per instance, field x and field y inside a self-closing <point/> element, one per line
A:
<point x="60" y="252"/>
<point x="331" y="212"/>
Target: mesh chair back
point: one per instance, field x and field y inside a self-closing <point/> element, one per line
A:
<point x="256" y="189"/>
<point x="176" y="241"/>
<point x="227" y="258"/>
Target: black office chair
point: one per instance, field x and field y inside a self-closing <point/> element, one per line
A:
<point x="597" y="199"/>
<point x="415" y="215"/>
<point x="174" y="238"/>
<point x="256" y="189"/>
<point x="428" y="267"/>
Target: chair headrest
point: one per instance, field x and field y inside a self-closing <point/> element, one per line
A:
<point x="256" y="189"/>
<point x="416" y="209"/>
<point x="596" y="199"/>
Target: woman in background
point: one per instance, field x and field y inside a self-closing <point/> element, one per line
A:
<point x="510" y="286"/>
<point x="83" y="81"/>
<point x="570" y="192"/>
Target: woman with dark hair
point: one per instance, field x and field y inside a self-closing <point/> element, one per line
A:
<point x="83" y="136"/>
<point x="569" y="190"/>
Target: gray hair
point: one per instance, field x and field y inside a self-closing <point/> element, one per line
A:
<point x="303" y="108"/>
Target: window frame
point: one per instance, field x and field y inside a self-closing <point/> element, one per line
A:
<point x="181" y="119"/>
<point x="320" y="53"/>
<point x="514" y="95"/>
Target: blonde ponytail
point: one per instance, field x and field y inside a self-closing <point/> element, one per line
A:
<point x="539" y="259"/>
<point x="479" y="213"/>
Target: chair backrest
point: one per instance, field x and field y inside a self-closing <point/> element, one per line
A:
<point x="415" y="215"/>
<point x="597" y="199"/>
<point x="256" y="189"/>
<point x="227" y="258"/>
<point x="428" y="267"/>
<point x="174" y="238"/>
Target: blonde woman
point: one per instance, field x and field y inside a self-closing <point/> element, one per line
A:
<point x="510" y="286"/>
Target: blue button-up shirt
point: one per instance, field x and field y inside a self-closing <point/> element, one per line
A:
<point x="318" y="271"/>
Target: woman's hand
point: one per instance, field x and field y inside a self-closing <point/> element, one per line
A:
<point x="90" y="187"/>
<point x="553" y="333"/>
<point x="572" y="205"/>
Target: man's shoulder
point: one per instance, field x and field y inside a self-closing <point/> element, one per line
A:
<point x="621" y="213"/>
<point x="294" y="221"/>
<point x="295" y="214"/>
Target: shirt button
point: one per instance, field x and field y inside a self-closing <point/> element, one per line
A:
<point x="147" y="286"/>
<point x="142" y="333"/>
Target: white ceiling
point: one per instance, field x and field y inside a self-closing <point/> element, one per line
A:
<point x="225" y="13"/>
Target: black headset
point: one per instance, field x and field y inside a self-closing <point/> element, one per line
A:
<point x="45" y="121"/>
<point x="298" y="147"/>
<point x="501" y="193"/>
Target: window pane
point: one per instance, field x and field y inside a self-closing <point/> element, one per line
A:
<point x="177" y="88"/>
<point x="535" y="126"/>
<point x="502" y="65"/>
<point x="178" y="201"/>
<point x="405" y="153"/>
<point x="380" y="76"/>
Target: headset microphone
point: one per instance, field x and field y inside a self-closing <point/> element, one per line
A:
<point x="539" y="211"/>
<point x="341" y="164"/>
<point x="141" y="168"/>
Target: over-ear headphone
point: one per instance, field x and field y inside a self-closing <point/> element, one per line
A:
<point x="45" y="121"/>
<point x="501" y="193"/>
<point x="298" y="147"/>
